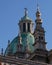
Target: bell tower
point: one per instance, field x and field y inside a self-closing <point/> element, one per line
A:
<point x="39" y="32"/>
<point x="40" y="53"/>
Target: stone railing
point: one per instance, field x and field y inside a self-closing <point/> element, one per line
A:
<point x="15" y="60"/>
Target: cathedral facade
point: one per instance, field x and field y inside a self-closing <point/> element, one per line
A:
<point x="29" y="47"/>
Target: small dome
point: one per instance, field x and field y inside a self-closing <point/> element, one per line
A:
<point x="25" y="18"/>
<point x="27" y="40"/>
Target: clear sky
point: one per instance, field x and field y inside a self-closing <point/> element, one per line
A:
<point x="11" y="12"/>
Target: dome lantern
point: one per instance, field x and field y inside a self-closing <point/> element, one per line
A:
<point x="26" y="24"/>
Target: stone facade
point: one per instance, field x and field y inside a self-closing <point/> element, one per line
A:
<point x="31" y="50"/>
<point x="14" y="60"/>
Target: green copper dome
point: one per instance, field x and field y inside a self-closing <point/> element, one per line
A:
<point x="25" y="18"/>
<point x="27" y="41"/>
<point x="23" y="44"/>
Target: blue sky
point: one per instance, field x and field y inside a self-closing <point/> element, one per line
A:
<point x="11" y="12"/>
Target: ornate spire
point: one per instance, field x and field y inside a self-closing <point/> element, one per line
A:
<point x="2" y="51"/>
<point x="39" y="32"/>
<point x="26" y="11"/>
<point x="37" y="7"/>
<point x="38" y="15"/>
<point x="8" y="42"/>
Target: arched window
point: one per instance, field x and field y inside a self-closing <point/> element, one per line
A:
<point x="40" y="38"/>
<point x="24" y="27"/>
<point x="28" y="27"/>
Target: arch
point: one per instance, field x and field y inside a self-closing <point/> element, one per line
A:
<point x="28" y="27"/>
<point x="24" y="27"/>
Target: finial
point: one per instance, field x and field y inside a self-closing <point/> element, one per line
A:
<point x="37" y="7"/>
<point x="19" y="37"/>
<point x="38" y="14"/>
<point x="8" y="42"/>
<point x="2" y="51"/>
<point x="26" y="11"/>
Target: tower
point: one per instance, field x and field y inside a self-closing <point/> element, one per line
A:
<point x="40" y="53"/>
<point x="39" y="32"/>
